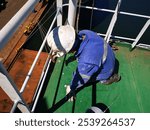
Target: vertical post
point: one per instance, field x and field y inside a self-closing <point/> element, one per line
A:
<point x="59" y="17"/>
<point x="11" y="90"/>
<point x="72" y="12"/>
<point x="112" y="23"/>
<point x="37" y="56"/>
<point x="141" y="33"/>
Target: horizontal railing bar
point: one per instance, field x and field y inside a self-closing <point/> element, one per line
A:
<point x="119" y="37"/>
<point x="113" y="11"/>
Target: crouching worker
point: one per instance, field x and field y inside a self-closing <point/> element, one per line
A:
<point x="96" y="60"/>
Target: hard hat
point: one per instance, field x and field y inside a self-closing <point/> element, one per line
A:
<point x="61" y="38"/>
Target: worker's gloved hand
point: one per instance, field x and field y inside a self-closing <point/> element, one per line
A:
<point x="69" y="93"/>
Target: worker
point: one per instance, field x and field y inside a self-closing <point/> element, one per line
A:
<point x="96" y="59"/>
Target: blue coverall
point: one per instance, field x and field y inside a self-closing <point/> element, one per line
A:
<point x="90" y="67"/>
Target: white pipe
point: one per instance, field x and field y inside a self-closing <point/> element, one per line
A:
<point x="141" y="33"/>
<point x="46" y="68"/>
<point x="72" y="12"/>
<point x="10" y="88"/>
<point x="112" y="23"/>
<point x="59" y="17"/>
<point x="113" y="11"/>
<point x="9" y="29"/>
<point x="117" y="37"/>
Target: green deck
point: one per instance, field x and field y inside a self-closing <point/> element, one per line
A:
<point x="130" y="95"/>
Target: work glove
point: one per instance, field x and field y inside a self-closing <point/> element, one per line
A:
<point x="69" y="93"/>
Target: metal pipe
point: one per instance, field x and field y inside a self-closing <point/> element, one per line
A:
<point x="9" y="29"/>
<point x="112" y="23"/>
<point x="145" y="46"/>
<point x="10" y="88"/>
<point x="119" y="37"/>
<point x="37" y="56"/>
<point x="72" y="12"/>
<point x="59" y="17"/>
<point x="41" y="83"/>
<point x="141" y="33"/>
<point x="113" y="11"/>
<point x="14" y="106"/>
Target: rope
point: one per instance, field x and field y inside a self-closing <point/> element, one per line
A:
<point x="92" y="15"/>
<point x="37" y="27"/>
<point x="43" y="34"/>
<point x="77" y="23"/>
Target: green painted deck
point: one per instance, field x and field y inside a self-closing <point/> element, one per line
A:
<point x="129" y="95"/>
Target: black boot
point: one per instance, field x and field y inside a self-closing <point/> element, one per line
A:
<point x="112" y="79"/>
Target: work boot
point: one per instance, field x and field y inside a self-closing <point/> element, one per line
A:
<point x="112" y="79"/>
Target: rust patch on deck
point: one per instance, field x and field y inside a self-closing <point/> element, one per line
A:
<point x="18" y="72"/>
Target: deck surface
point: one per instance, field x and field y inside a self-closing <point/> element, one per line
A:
<point x="129" y="95"/>
<point x="18" y="72"/>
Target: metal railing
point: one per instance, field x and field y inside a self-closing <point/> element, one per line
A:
<point x="17" y="95"/>
<point x="114" y="19"/>
<point x="37" y="56"/>
<point x="107" y="36"/>
<point x="10" y="88"/>
<point x="8" y="30"/>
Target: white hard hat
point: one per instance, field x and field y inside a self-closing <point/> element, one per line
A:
<point x="61" y="38"/>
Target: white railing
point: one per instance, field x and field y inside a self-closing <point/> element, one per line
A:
<point x="48" y="61"/>
<point x="9" y="87"/>
<point x="18" y="94"/>
<point x="109" y="35"/>
<point x="8" y="30"/>
<point x="113" y="22"/>
<point x="114" y="19"/>
<point x="37" y="56"/>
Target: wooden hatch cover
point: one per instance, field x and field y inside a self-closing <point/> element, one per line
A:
<point x="18" y="72"/>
